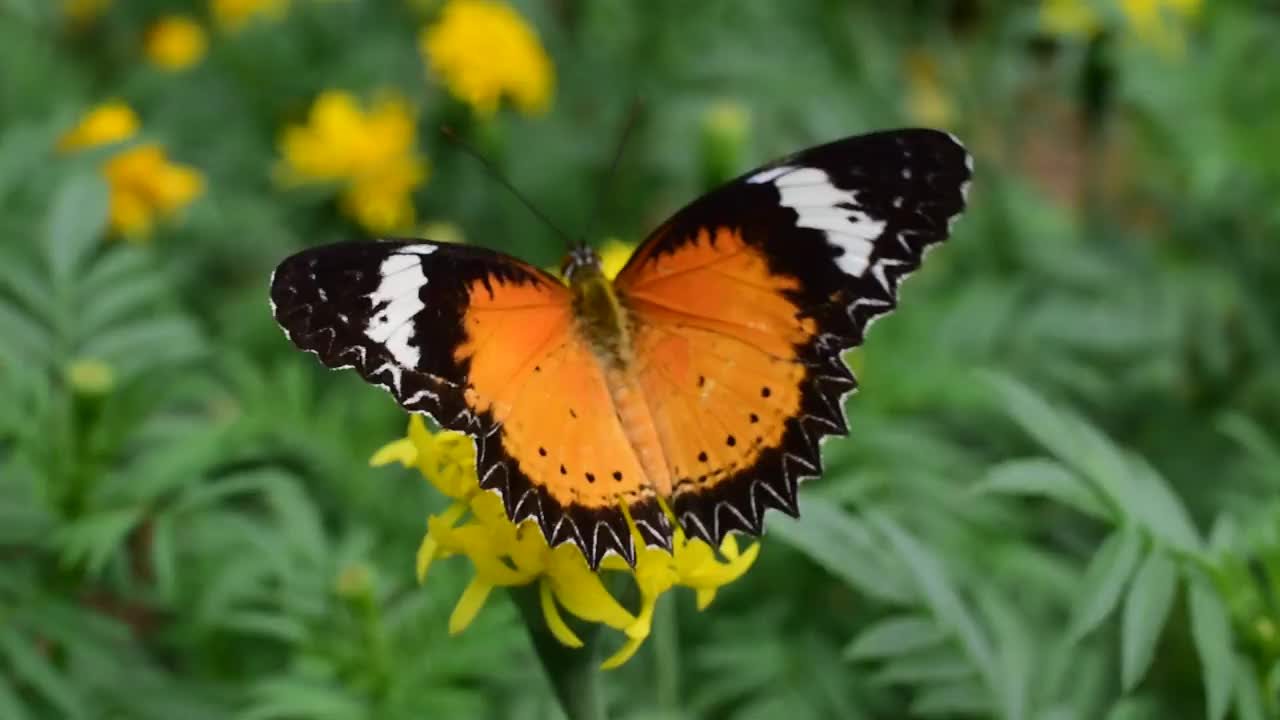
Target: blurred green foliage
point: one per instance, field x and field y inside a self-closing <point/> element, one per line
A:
<point x="1059" y="500"/>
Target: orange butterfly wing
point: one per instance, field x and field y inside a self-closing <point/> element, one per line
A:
<point x="486" y="345"/>
<point x="738" y="309"/>
<point x="743" y="302"/>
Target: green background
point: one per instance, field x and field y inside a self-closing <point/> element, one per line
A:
<point x="1058" y="500"/>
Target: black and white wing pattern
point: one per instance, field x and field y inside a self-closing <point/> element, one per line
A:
<point x="780" y="271"/>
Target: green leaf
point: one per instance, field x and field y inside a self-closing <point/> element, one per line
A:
<point x="845" y="547"/>
<point x="1127" y="483"/>
<point x="93" y="539"/>
<point x="895" y="636"/>
<point x="295" y="698"/>
<point x="22" y="147"/>
<point x="1211" y="631"/>
<point x="266" y="624"/>
<point x="931" y="666"/>
<point x="32" y="666"/>
<point x="27" y="282"/>
<point x="940" y="597"/>
<point x="11" y="706"/>
<point x="120" y="303"/>
<point x="1042" y="477"/>
<point x="1250" y="701"/>
<point x="23" y="342"/>
<point x="77" y="218"/>
<point x="1021" y="657"/>
<point x="1145" y="611"/>
<point x="164" y="557"/>
<point x="1104" y="580"/>
<point x="964" y="698"/>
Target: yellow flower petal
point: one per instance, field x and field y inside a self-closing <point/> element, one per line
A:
<point x="426" y="554"/>
<point x="370" y="152"/>
<point x="91" y="377"/>
<point x="437" y="526"/>
<point x="555" y="623"/>
<point x="469" y="605"/>
<point x="485" y="51"/>
<point x="624" y="653"/>
<point x="614" y="254"/>
<point x="110" y="122"/>
<point x="402" y="451"/>
<point x="1068" y="17"/>
<point x="582" y="592"/>
<point x="145" y="185"/>
<point x="175" y="42"/>
<point x="504" y="554"/>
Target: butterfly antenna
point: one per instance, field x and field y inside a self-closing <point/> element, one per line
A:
<point x="452" y="137"/>
<point x="632" y="117"/>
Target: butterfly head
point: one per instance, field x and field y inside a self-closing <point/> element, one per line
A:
<point x="582" y="261"/>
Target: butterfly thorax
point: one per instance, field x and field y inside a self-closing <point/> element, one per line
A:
<point x="601" y="317"/>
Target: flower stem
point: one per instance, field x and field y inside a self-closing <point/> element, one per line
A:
<point x="574" y="673"/>
<point x="666" y="646"/>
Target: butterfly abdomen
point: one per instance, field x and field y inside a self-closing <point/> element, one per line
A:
<point x="635" y="415"/>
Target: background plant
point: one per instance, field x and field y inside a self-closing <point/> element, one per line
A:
<point x="1059" y="500"/>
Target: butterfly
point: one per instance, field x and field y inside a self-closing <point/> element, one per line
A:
<point x="695" y="388"/>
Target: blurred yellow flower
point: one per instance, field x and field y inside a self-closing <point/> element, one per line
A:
<point x="144" y="184"/>
<point x="505" y="555"/>
<point x="727" y="120"/>
<point x="1156" y="23"/>
<point x="372" y="154"/>
<point x="83" y="12"/>
<point x="927" y="103"/>
<point x="441" y="231"/>
<point x="175" y="42"/>
<point x="110" y="122"/>
<point x="614" y="255"/>
<point x="235" y="14"/>
<point x="484" y="50"/>
<point x="1068" y="17"/>
<point x="90" y="377"/>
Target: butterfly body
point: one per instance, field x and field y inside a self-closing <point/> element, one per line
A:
<point x="600" y="316"/>
<point x="694" y="389"/>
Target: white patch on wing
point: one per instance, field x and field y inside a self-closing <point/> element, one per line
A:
<point x="823" y="206"/>
<point x="802" y="176"/>
<point x="396" y="302"/>
<point x="765" y="176"/>
<point x="418" y="249"/>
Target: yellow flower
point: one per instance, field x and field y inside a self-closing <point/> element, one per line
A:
<point x="614" y="255"/>
<point x="506" y="555"/>
<point x="728" y="122"/>
<point x="175" y="42"/>
<point x="235" y="14"/>
<point x="1068" y="17"/>
<point x="926" y="101"/>
<point x="144" y="184"/>
<point x="484" y="51"/>
<point x="90" y="377"/>
<point x="441" y="231"/>
<point x="110" y="122"/>
<point x="371" y="154"/>
<point x="1156" y="23"/>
